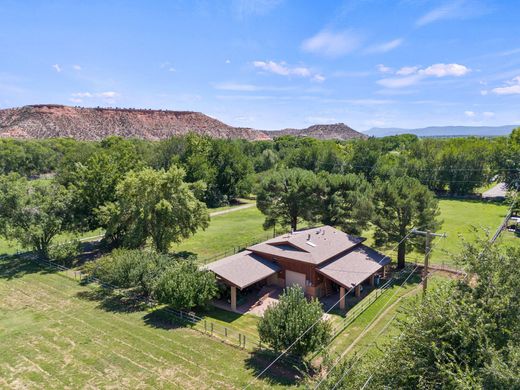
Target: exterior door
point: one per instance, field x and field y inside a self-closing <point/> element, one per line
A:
<point x="294" y="278"/>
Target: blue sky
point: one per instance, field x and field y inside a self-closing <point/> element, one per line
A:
<point x="270" y="64"/>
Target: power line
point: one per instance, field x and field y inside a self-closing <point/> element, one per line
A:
<point x="492" y="241"/>
<point x="367" y="326"/>
<point x="316" y="322"/>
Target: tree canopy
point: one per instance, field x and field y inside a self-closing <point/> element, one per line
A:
<point x="33" y="213"/>
<point x="402" y="203"/>
<point x="153" y="204"/>
<point x="283" y="323"/>
<point x="289" y="196"/>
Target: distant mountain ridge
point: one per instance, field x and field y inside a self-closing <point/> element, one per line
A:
<point x="338" y="131"/>
<point x="444" y="131"/>
<point x="50" y="121"/>
<point x="53" y="121"/>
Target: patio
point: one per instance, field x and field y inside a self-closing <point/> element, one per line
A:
<point x="254" y="302"/>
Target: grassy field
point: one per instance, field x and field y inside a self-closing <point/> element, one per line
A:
<point x="226" y="232"/>
<point x="460" y="218"/>
<point x="54" y="335"/>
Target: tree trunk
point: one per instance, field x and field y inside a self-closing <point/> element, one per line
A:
<point x="294" y="223"/>
<point x="401" y="255"/>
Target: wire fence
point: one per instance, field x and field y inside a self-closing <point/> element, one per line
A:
<point x="231" y="335"/>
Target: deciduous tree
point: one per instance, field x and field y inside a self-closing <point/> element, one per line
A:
<point x="33" y="213"/>
<point x="153" y="204"/>
<point x="184" y="285"/>
<point x="283" y="323"/>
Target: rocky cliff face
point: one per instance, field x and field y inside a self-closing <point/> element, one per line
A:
<point x="49" y="121"/>
<point x="338" y="131"/>
<point x="52" y="121"/>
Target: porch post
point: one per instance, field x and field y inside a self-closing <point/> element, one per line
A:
<point x="358" y="291"/>
<point x="233" y="298"/>
<point x="372" y="280"/>
<point x="342" y="298"/>
<point x="384" y="271"/>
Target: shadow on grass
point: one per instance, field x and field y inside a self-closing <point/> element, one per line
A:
<point x="115" y="302"/>
<point x="17" y="266"/>
<point x="285" y="372"/>
<point x="162" y="319"/>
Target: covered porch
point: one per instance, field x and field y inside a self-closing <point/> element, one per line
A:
<point x="353" y="276"/>
<point x="246" y="272"/>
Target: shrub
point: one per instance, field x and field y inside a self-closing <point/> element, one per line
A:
<point x="130" y="269"/>
<point x="184" y="286"/>
<point x="65" y="253"/>
<point x="283" y="323"/>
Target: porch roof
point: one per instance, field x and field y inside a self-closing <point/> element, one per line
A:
<point x="243" y="269"/>
<point x="355" y="267"/>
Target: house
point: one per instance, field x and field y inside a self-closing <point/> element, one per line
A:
<point x="319" y="260"/>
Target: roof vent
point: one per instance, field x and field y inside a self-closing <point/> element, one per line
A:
<point x="311" y="244"/>
<point x="308" y="237"/>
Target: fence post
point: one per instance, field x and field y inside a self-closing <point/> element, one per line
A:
<point x="239" y="339"/>
<point x="244" y="341"/>
<point x="211" y="323"/>
<point x="205" y="326"/>
<point x="225" y="332"/>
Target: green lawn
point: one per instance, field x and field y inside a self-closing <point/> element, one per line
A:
<point x="227" y="232"/>
<point x="459" y="219"/>
<point x="55" y="335"/>
<point x="345" y="338"/>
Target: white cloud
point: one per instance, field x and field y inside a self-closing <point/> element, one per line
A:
<point x="453" y="9"/>
<point x="488" y="114"/>
<point x="57" y="68"/>
<point x="318" y="77"/>
<point x="228" y="61"/>
<point x="76" y="67"/>
<point x="282" y="69"/>
<point x="469" y="114"/>
<point x="407" y="70"/>
<point x="385" y="47"/>
<point x="76" y="100"/>
<point x="384" y="69"/>
<point x="443" y="12"/>
<point x="239" y="87"/>
<point x="414" y="74"/>
<point x="512" y="88"/>
<point x="483" y="92"/>
<point x="443" y="70"/>
<point x="332" y="44"/>
<point x="399" y="82"/>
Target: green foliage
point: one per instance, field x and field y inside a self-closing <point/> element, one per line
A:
<point x="347" y="202"/>
<point x="32" y="213"/>
<point x="130" y="269"/>
<point x="65" y="253"/>
<point x="400" y="204"/>
<point x="465" y="334"/>
<point x="153" y="204"/>
<point x="93" y="183"/>
<point x="288" y="196"/>
<point x="284" y="322"/>
<point x="184" y="286"/>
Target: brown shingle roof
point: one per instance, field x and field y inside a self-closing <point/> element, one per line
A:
<point x="243" y="269"/>
<point x="356" y="266"/>
<point x="314" y="245"/>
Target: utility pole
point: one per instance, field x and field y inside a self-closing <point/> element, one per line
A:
<point x="428" y="238"/>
